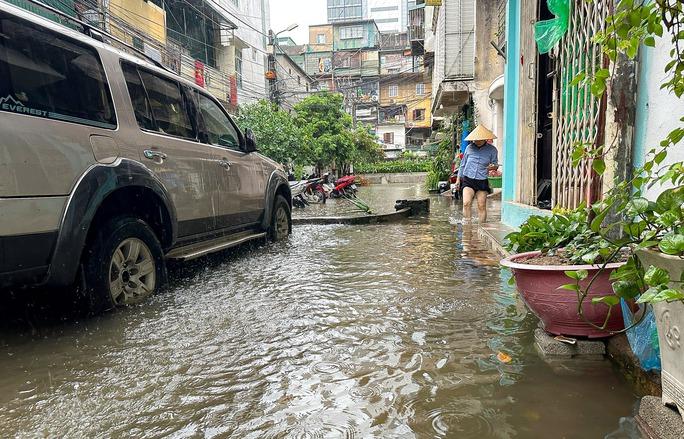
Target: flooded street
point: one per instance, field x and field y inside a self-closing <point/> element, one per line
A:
<point x="388" y="331"/>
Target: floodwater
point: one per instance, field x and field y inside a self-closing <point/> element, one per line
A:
<point x="388" y="331"/>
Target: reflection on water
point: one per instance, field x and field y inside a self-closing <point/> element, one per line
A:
<point x="345" y="331"/>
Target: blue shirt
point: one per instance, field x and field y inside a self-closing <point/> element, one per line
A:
<point x="475" y="161"/>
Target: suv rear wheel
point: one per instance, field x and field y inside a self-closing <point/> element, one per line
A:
<point x="281" y="221"/>
<point x="123" y="265"/>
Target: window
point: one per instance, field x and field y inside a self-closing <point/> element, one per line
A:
<point x="47" y="75"/>
<point x="393" y="91"/>
<point x="138" y="43"/>
<point x="419" y="114"/>
<point x="168" y="106"/>
<point x="254" y="54"/>
<point x="238" y="67"/>
<point x="351" y="32"/>
<point x="388" y="138"/>
<point x="141" y="106"/>
<point x="299" y="80"/>
<point x="420" y="89"/>
<point x="320" y="39"/>
<point x="219" y="129"/>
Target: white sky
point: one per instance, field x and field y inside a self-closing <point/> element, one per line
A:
<point x="302" y="12"/>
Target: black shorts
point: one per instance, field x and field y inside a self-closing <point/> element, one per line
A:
<point x="476" y="185"/>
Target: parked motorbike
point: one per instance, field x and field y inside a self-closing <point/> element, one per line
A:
<point x="314" y="191"/>
<point x="345" y="187"/>
<point x="297" y="188"/>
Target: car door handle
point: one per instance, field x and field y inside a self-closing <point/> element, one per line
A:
<point x="154" y="155"/>
<point x="225" y="164"/>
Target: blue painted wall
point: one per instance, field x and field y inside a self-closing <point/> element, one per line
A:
<point x="640" y="129"/>
<point x="512" y="214"/>
<point x="511" y="93"/>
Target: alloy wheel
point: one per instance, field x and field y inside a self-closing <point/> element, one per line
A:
<point x="132" y="272"/>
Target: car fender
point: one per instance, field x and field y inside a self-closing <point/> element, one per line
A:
<point x="93" y="187"/>
<point x="275" y="181"/>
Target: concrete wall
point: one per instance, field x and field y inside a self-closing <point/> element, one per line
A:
<point x="409" y="178"/>
<point x="146" y="17"/>
<point x="489" y="65"/>
<point x="658" y="111"/>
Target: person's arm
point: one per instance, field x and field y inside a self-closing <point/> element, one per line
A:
<point x="494" y="160"/>
<point x="463" y="162"/>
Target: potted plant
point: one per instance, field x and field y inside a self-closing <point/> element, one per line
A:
<point x="547" y="248"/>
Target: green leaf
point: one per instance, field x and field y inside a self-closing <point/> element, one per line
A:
<point x="662" y="155"/>
<point x="637" y="206"/>
<point x="656" y="276"/>
<point x="602" y="73"/>
<point x="581" y="274"/>
<point x="571" y="287"/>
<point x="596" y="222"/>
<point x="626" y="289"/>
<point x="649" y="41"/>
<point x="599" y="166"/>
<point x="581" y="76"/>
<point x="590" y="258"/>
<point x="649" y="295"/>
<point x="608" y="300"/>
<point x="598" y="87"/>
<point x="668" y="295"/>
<point x="672" y="244"/>
<point x="671" y="199"/>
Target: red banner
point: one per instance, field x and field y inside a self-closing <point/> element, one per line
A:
<point x="199" y="73"/>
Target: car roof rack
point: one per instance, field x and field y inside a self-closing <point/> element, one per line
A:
<point x="98" y="34"/>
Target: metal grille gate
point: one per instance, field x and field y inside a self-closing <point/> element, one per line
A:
<point x="580" y="117"/>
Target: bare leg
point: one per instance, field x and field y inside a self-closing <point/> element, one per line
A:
<point x="482" y="206"/>
<point x="468" y="195"/>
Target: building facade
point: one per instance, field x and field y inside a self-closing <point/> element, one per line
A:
<point x="292" y="83"/>
<point x="546" y="116"/>
<point x="346" y="10"/>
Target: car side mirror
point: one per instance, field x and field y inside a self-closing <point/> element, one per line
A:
<point x="250" y="141"/>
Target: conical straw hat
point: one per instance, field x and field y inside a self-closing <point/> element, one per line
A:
<point x="480" y="133"/>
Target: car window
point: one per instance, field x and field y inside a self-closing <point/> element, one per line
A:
<point x="47" y="75"/>
<point x="141" y="105"/>
<point x="169" y="109"/>
<point x="220" y="130"/>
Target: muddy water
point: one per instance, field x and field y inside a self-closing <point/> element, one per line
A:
<point x="378" y="331"/>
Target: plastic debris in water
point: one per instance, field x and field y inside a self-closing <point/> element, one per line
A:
<point x="504" y="358"/>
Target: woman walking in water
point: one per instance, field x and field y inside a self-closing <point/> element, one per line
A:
<point x="479" y="158"/>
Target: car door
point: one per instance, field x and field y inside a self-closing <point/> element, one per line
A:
<point x="169" y="147"/>
<point x="241" y="187"/>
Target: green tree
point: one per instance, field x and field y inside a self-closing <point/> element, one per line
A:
<point x="278" y="136"/>
<point x="366" y="148"/>
<point x="327" y="129"/>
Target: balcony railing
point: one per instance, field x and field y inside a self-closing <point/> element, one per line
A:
<point x="416" y="24"/>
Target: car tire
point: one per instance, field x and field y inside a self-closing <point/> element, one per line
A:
<point x="281" y="220"/>
<point x="123" y="265"/>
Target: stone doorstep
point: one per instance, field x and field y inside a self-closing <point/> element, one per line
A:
<point x="551" y="349"/>
<point x="657" y="421"/>
<point x="492" y="236"/>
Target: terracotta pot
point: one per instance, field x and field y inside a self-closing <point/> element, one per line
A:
<point x="557" y="308"/>
<point x="670" y="323"/>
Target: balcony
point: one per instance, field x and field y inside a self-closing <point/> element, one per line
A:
<point x="416" y="30"/>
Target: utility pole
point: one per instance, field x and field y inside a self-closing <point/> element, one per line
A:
<point x="271" y="73"/>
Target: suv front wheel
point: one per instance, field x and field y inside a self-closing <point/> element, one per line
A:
<point x="123" y="265"/>
<point x="281" y="220"/>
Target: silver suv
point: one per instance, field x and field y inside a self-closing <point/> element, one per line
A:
<point x="111" y="165"/>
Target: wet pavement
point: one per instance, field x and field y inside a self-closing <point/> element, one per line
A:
<point x="388" y="331"/>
